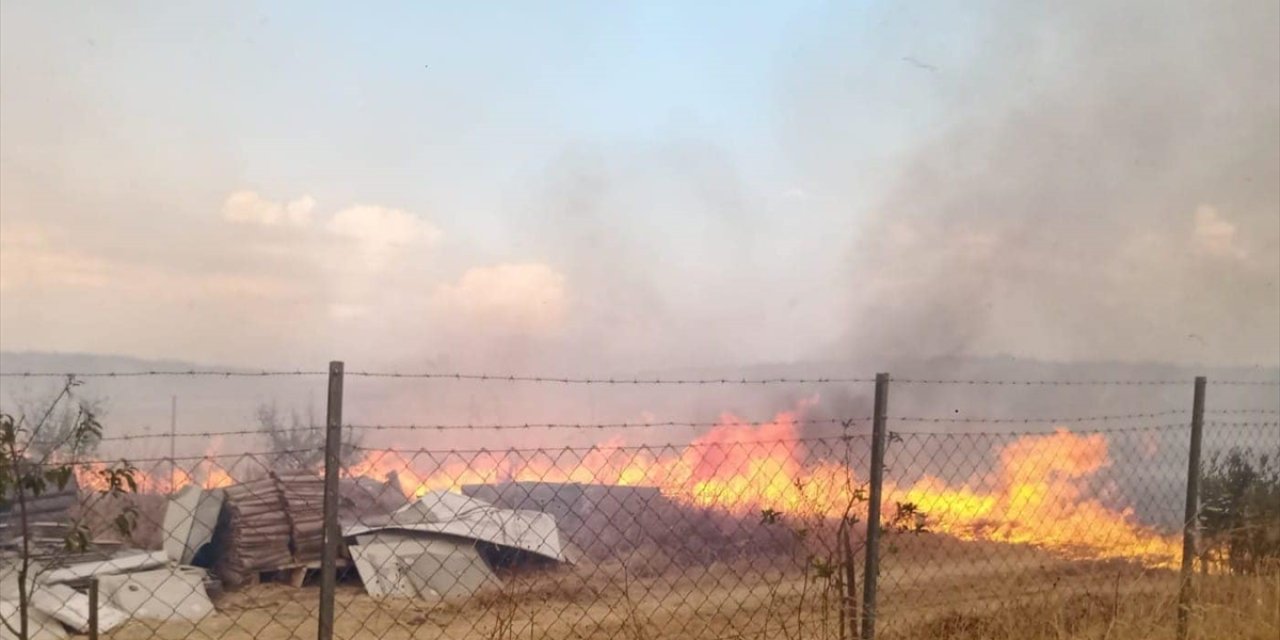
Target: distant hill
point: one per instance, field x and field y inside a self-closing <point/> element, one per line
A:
<point x="213" y="403"/>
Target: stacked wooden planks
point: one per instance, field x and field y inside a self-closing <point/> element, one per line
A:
<point x="277" y="522"/>
<point x="253" y="531"/>
<point x="303" y="496"/>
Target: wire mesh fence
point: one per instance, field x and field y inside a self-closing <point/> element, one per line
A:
<point x="1014" y="517"/>
<point x="718" y="529"/>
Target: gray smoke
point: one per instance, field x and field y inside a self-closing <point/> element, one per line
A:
<point x="1106" y="185"/>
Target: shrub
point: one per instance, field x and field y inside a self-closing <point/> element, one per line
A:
<point x="1240" y="510"/>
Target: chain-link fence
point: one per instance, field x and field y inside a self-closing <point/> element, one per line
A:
<point x="980" y="525"/>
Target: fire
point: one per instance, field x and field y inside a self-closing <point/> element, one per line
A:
<point x="207" y="474"/>
<point x="1036" y="494"/>
<point x="1036" y="497"/>
<point x="164" y="477"/>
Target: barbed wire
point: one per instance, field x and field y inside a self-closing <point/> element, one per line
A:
<point x="1167" y="426"/>
<point x="206" y="456"/>
<point x="588" y="426"/>
<point x="615" y="380"/>
<point x="702" y="424"/>
<point x="1076" y="383"/>
<point x="196" y="434"/>
<point x="1241" y="424"/>
<point x="621" y="380"/>
<point x="599" y="447"/>
<point x="601" y="425"/>
<point x="1039" y="420"/>
<point x="158" y="373"/>
<point x="1108" y="430"/>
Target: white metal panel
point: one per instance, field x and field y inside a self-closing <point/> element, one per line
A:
<point x="70" y="607"/>
<point x="458" y="515"/>
<point x="39" y="625"/>
<point x="163" y="594"/>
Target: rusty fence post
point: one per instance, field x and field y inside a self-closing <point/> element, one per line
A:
<point x="871" y="567"/>
<point x="332" y="533"/>
<point x="1191" y="520"/>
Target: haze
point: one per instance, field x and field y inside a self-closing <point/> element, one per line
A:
<point x="583" y="187"/>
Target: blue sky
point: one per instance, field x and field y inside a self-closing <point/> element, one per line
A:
<point x="658" y="181"/>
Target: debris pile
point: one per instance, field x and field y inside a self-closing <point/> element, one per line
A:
<point x="447" y="544"/>
<point x="133" y="584"/>
<point x="442" y="545"/>
<point x="599" y="520"/>
<point x="48" y="520"/>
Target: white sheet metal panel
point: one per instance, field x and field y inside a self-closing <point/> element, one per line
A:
<point x="39" y="625"/>
<point x="162" y="594"/>
<point x="119" y="564"/>
<point x="179" y="515"/>
<point x="70" y="607"/>
<point x="434" y="565"/>
<point x="458" y="515"/>
<point x="205" y="522"/>
<point x="385" y="573"/>
<point x="458" y="571"/>
<point x="189" y="520"/>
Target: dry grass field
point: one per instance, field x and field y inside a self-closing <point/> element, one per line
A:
<point x="998" y="593"/>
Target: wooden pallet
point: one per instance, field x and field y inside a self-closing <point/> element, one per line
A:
<point x="296" y="574"/>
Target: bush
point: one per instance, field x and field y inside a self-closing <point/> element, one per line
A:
<point x="1240" y="510"/>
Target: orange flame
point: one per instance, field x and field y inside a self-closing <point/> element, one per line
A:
<point x="1035" y="496"/>
<point x="211" y="474"/>
<point x="206" y="474"/>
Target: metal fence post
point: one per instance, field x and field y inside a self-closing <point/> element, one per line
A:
<point x="872" y="565"/>
<point x="1190" y="523"/>
<point x="332" y="447"/>
<point x="93" y="608"/>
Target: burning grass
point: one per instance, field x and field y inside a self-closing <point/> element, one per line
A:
<point x="1039" y="489"/>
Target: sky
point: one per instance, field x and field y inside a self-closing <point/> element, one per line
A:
<point x="595" y="186"/>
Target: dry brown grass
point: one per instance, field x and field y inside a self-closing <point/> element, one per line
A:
<point x="1227" y="608"/>
<point x="1026" y="596"/>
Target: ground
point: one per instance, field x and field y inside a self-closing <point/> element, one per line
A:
<point x="991" y="592"/>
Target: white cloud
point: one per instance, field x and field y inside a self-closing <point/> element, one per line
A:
<point x="29" y="258"/>
<point x="381" y="233"/>
<point x="249" y="207"/>
<point x="519" y="298"/>
<point x="372" y="236"/>
<point x="1215" y="235"/>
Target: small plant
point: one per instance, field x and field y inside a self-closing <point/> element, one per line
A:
<point x="33" y="463"/>
<point x="830" y="554"/>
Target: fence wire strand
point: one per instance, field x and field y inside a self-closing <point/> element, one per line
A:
<point x="745" y="529"/>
